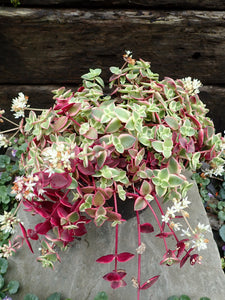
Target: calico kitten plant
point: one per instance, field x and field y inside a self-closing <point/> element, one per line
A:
<point x="91" y="151"/>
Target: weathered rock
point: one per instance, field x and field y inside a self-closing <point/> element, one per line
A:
<point x="79" y="277"/>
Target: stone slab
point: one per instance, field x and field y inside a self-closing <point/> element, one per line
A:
<point x="79" y="277"/>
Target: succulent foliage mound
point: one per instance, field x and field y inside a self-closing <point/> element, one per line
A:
<point x="91" y="151"/>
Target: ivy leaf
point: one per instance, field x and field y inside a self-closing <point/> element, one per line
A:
<point x="101" y="296"/>
<point x="184" y="297"/>
<point x="222" y="232"/>
<point x="31" y="297"/>
<point x="13" y="286"/>
<point x="1" y="282"/>
<point x="3" y="265"/>
<point x="54" y="296"/>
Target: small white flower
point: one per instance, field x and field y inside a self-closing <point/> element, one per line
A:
<point x="19" y="104"/>
<point x="177" y="206"/>
<point x="219" y="171"/>
<point x="185" y="202"/>
<point x="165" y="218"/>
<point x="191" y="86"/>
<point x="8" y="222"/>
<point x="203" y="228"/>
<point x="200" y="243"/>
<point x="175" y="226"/>
<point x="171" y="212"/>
<point x="186" y="232"/>
<point x="4" y="142"/>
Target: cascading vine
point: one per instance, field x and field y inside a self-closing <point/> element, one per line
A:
<point x="130" y="145"/>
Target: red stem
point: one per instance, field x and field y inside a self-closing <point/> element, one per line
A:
<point x="160" y="208"/>
<point x="157" y="220"/>
<point x="139" y="255"/>
<point x="116" y="233"/>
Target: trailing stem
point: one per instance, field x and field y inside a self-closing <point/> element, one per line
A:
<point x="139" y="255"/>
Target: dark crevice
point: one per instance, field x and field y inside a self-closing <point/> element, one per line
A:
<point x="196" y="55"/>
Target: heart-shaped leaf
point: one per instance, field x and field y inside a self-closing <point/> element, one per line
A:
<point x="146" y="228"/>
<point x="140" y="204"/>
<point x="124" y="256"/>
<point x="98" y="199"/>
<point x="105" y="259"/>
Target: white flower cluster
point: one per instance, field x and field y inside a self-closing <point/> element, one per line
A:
<point x="192" y="86"/>
<point x="216" y="172"/>
<point x="19" y="104"/>
<point x="197" y="237"/>
<point x="24" y="187"/>
<point x="58" y="156"/>
<point x="4" y="142"/>
<point x="8" y="222"/>
<point x="177" y="207"/>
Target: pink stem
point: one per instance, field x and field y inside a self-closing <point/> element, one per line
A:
<point x="116" y="233"/>
<point x="139" y="256"/>
<point x="157" y="220"/>
<point x="160" y="208"/>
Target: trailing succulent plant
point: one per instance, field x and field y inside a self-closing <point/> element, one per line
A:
<point x="91" y="151"/>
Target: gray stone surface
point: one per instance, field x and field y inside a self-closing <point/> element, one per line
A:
<point x="79" y="277"/>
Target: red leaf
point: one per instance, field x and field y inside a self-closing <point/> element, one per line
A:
<point x="185" y="258"/>
<point x="60" y="180"/>
<point x="164" y="234"/>
<point x="43" y="228"/>
<point x="118" y="284"/>
<point x="81" y="230"/>
<point x="86" y="171"/>
<point x="80" y="89"/>
<point x="149" y="283"/>
<point x="91" y="212"/>
<point x="65" y="202"/>
<point x="180" y="248"/>
<point x="106" y="259"/>
<point x="113" y="216"/>
<point x="125" y="256"/>
<point x="32" y="234"/>
<point x="62" y="213"/>
<point x="146" y="228"/>
<point x="41" y="212"/>
<point x="194" y="258"/>
<point x="25" y="236"/>
<point x="67" y="236"/>
<point x="112" y="276"/>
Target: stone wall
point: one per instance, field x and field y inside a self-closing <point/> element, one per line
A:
<point x="48" y="44"/>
